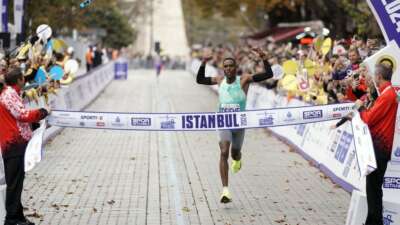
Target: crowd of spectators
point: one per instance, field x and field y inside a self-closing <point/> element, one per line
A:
<point x="149" y="62"/>
<point x="46" y="65"/>
<point x="335" y="77"/>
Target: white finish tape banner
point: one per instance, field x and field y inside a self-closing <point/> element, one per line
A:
<point x="200" y="121"/>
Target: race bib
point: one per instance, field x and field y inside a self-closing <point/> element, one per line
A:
<point x="230" y="108"/>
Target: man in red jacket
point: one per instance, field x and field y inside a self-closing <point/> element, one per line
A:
<point x="381" y="119"/>
<point x="15" y="133"/>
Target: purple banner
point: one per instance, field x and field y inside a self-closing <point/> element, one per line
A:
<point x="4" y="16"/>
<point x="387" y="13"/>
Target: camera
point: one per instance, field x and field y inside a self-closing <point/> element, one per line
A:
<point x="355" y="75"/>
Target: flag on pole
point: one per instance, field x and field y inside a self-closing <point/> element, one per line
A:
<point x="4" y="15"/>
<point x="18" y="15"/>
<point x="387" y="15"/>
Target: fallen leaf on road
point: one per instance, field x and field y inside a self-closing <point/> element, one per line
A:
<point x="34" y="215"/>
<point x="111" y="202"/>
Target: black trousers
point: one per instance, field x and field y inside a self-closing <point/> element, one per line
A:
<point x="374" y="189"/>
<point x="88" y="67"/>
<point x="15" y="174"/>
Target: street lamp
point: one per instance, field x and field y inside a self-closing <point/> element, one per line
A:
<point x="243" y="10"/>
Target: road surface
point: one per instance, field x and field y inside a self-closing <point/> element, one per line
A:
<point x="126" y="177"/>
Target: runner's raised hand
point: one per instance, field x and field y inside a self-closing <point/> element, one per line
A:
<point x="207" y="54"/>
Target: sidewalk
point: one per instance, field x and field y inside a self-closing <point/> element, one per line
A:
<point x="120" y="177"/>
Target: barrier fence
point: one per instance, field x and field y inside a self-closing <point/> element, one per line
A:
<point x="76" y="96"/>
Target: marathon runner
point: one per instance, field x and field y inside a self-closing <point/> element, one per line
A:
<point x="232" y="97"/>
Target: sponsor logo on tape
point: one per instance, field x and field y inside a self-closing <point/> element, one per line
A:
<point x="312" y="114"/>
<point x="168" y="123"/>
<point x="117" y="122"/>
<point x="266" y="119"/>
<point x="289" y="117"/>
<point x="63" y="122"/>
<point x="100" y="124"/>
<point x="243" y="119"/>
<point x="91" y="117"/>
<point x="342" y="108"/>
<point x="141" y="122"/>
<point x="64" y="114"/>
<point x="336" y="115"/>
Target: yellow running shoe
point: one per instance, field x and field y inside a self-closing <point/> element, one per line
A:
<point x="236" y="165"/>
<point x="226" y="196"/>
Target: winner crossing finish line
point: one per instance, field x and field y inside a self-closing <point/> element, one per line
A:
<point x="231" y="120"/>
<point x="231" y="115"/>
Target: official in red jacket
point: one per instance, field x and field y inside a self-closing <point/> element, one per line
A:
<point x="15" y="133"/>
<point x="381" y="119"/>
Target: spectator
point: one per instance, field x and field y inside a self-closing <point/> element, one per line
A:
<point x="89" y="59"/>
<point x="381" y="119"/>
<point x="14" y="136"/>
<point x="98" y="57"/>
<point x="104" y="56"/>
<point x="115" y="54"/>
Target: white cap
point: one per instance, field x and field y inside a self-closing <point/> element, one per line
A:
<point x="70" y="50"/>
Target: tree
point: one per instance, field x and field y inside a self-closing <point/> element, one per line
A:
<point x="342" y="17"/>
<point x="365" y="22"/>
<point x="119" y="32"/>
<point x="65" y="15"/>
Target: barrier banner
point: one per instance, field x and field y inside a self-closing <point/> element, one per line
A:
<point x="200" y="121"/>
<point x="358" y="209"/>
<point x="121" y="69"/>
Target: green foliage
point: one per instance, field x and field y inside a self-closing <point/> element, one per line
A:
<point x="363" y="18"/>
<point x="119" y="32"/>
<point x="342" y="17"/>
<point x="64" y="15"/>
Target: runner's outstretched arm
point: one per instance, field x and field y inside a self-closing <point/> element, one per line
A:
<point x="263" y="76"/>
<point x="260" y="76"/>
<point x="201" y="76"/>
